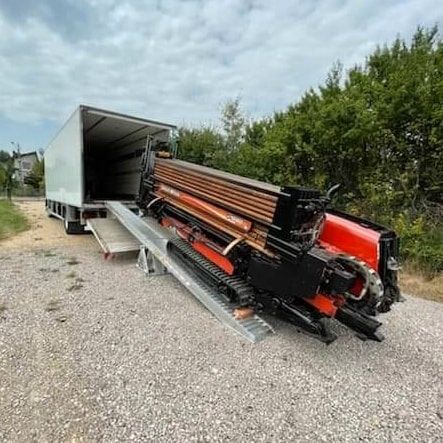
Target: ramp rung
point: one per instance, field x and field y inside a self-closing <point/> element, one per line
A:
<point x="155" y="238"/>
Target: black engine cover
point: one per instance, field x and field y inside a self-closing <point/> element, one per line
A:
<point x="298" y="279"/>
<point x="288" y="279"/>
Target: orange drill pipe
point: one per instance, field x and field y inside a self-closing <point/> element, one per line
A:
<point x="225" y="216"/>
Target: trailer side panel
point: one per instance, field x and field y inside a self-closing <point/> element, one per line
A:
<point x="64" y="165"/>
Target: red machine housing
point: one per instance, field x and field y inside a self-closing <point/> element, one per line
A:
<point x="300" y="260"/>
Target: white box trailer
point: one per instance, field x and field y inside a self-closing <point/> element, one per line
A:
<point x="95" y="157"/>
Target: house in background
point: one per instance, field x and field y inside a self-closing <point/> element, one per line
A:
<point x="23" y="162"/>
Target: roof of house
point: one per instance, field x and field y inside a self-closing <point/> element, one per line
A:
<point x="27" y="154"/>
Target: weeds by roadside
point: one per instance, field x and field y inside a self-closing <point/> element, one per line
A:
<point x="12" y="220"/>
<point x="416" y="282"/>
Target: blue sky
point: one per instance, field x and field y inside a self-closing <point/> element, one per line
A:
<point x="178" y="60"/>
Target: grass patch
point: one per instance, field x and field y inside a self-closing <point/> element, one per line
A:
<point x="415" y="281"/>
<point x="12" y="220"/>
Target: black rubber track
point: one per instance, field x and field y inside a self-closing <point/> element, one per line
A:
<point x="234" y="288"/>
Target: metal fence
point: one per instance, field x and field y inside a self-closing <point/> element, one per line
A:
<point x="27" y="191"/>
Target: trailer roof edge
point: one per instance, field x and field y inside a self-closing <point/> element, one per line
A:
<point x="107" y="113"/>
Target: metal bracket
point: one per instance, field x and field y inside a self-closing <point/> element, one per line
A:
<point x="149" y="263"/>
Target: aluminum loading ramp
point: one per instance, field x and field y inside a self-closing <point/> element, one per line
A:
<point x="155" y="239"/>
<point x="112" y="236"/>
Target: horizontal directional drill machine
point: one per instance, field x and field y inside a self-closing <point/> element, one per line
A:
<point x="273" y="249"/>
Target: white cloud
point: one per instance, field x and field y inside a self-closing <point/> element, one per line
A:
<point x="178" y="60"/>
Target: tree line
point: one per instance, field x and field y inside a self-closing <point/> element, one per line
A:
<point x="376" y="129"/>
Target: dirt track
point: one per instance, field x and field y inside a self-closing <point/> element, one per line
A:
<point x="45" y="232"/>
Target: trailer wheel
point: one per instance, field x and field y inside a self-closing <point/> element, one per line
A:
<point x="73" y="227"/>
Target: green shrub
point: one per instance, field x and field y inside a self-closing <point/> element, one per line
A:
<point x="421" y="242"/>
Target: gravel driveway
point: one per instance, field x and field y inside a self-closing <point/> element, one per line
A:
<point x="94" y="351"/>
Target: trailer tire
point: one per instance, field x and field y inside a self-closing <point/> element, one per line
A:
<point x="73" y="227"/>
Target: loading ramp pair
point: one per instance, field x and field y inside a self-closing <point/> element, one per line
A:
<point x="126" y="231"/>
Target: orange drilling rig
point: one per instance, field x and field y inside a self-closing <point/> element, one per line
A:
<point x="280" y="250"/>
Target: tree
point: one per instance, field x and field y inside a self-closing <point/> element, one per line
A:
<point x="2" y="177"/>
<point x="233" y="124"/>
<point x="4" y="156"/>
<point x="376" y="129"/>
<point x="36" y="178"/>
<point x="8" y="173"/>
<point x="203" y="146"/>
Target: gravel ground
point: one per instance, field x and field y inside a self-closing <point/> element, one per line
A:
<point x="95" y="351"/>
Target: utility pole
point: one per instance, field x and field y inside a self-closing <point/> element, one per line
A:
<point x="17" y="154"/>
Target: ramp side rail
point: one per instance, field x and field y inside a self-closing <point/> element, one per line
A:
<point x="155" y="238"/>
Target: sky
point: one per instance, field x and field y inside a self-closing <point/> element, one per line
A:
<point x="178" y="60"/>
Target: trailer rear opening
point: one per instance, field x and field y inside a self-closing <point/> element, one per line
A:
<point x="112" y="150"/>
<point x="96" y="157"/>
